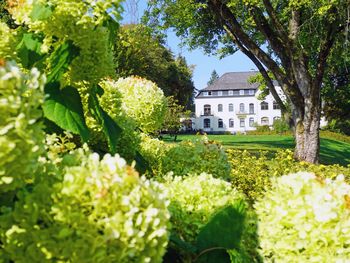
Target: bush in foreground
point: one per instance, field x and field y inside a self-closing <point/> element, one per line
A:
<point x="93" y="211"/>
<point x="194" y="199"/>
<point x="303" y="218"/>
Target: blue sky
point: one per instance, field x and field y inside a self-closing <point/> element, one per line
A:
<point x="203" y="64"/>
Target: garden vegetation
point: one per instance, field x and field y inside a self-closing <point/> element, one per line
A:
<point x="82" y="179"/>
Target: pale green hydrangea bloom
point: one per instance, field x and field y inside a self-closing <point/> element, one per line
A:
<point x="305" y="219"/>
<point x="21" y="134"/>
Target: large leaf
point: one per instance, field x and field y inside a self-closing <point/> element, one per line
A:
<point x="141" y="163"/>
<point x="110" y="128"/>
<point x="64" y="107"/>
<point x="28" y="50"/>
<point x="60" y="60"/>
<point x="40" y="11"/>
<point x="221" y="233"/>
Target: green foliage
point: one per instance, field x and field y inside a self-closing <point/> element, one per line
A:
<point x="213" y="240"/>
<point x="262" y="128"/>
<point x="173" y="114"/>
<point x="197" y="156"/>
<point x="213" y="77"/>
<point x="280" y="126"/>
<point x="65" y="109"/>
<point x="194" y="200"/>
<point x="139" y="53"/>
<point x="7" y="41"/>
<point x="251" y="173"/>
<point x="303" y="218"/>
<point x="22" y="136"/>
<point x="91" y="211"/>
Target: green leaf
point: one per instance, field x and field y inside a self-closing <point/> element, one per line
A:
<point x="60" y="60"/>
<point x="64" y="107"/>
<point x="141" y="163"/>
<point x="113" y="27"/>
<point x="110" y="128"/>
<point x="178" y="242"/>
<point x="40" y="11"/>
<point x="28" y="50"/>
<point x="221" y="233"/>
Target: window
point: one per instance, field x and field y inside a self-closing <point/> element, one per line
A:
<point x="230" y="92"/>
<point x="230" y="107"/>
<point x="241" y="107"/>
<point x="246" y="92"/>
<point x="207" y="109"/>
<point x="251" y="92"/>
<point x="231" y="123"/>
<point x="220" y="123"/>
<point x="241" y="92"/>
<point x="264" y="105"/>
<point x="265" y="121"/>
<point x="276" y="106"/>
<point x="251" y="122"/>
<point x="219" y="107"/>
<point x="219" y="93"/>
<point x="205" y="93"/>
<point x="251" y="108"/>
<point x="209" y="93"/>
<point x="206" y="123"/>
<point x="241" y="122"/>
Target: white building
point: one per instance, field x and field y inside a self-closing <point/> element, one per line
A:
<point x="231" y="104"/>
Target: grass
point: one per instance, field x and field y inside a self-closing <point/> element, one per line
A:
<point x="331" y="152"/>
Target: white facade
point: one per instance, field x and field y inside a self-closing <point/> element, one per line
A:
<point x="234" y="109"/>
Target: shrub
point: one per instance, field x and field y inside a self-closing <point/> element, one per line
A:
<point x="303" y="218"/>
<point x="97" y="211"/>
<point x="262" y="128"/>
<point x="251" y="172"/>
<point x="194" y="199"/>
<point x="197" y="156"/>
<point x="142" y="102"/>
<point x="280" y="126"/>
<point x="22" y="136"/>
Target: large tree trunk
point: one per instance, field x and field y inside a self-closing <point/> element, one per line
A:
<point x="307" y="137"/>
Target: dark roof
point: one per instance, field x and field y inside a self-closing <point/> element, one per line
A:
<point x="232" y="81"/>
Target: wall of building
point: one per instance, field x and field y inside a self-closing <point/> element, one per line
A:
<point x="241" y="120"/>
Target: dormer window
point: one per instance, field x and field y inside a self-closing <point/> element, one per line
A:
<point x="251" y="92"/>
<point x="205" y="93"/>
<point x="230" y="92"/>
<point x="241" y="92"/>
<point x="219" y="93"/>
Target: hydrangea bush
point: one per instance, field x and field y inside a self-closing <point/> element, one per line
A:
<point x="251" y="172"/>
<point x="95" y="211"/>
<point x="80" y="22"/>
<point x="304" y="218"/>
<point x="21" y="134"/>
<point x="142" y="101"/>
<point x="197" y="156"/>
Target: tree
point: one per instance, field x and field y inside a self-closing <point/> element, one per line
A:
<point x="139" y="53"/>
<point x="290" y="39"/>
<point x="214" y="76"/>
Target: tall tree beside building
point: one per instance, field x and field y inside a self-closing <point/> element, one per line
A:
<point x="138" y="52"/>
<point x="291" y="39"/>
<point x="214" y="76"/>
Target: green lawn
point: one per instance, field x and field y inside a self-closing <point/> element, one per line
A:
<point x="332" y="151"/>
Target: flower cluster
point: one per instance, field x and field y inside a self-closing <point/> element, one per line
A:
<point x="21" y="134"/>
<point x="92" y="211"/>
<point x="194" y="199"/>
<point x="142" y="101"/>
<point x="305" y="219"/>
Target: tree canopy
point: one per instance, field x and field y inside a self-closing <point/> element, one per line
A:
<point x="290" y="39"/>
<point x="214" y="76"/>
<point x="138" y="52"/>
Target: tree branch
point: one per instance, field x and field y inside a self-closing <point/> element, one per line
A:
<point x="261" y="69"/>
<point x="228" y="19"/>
